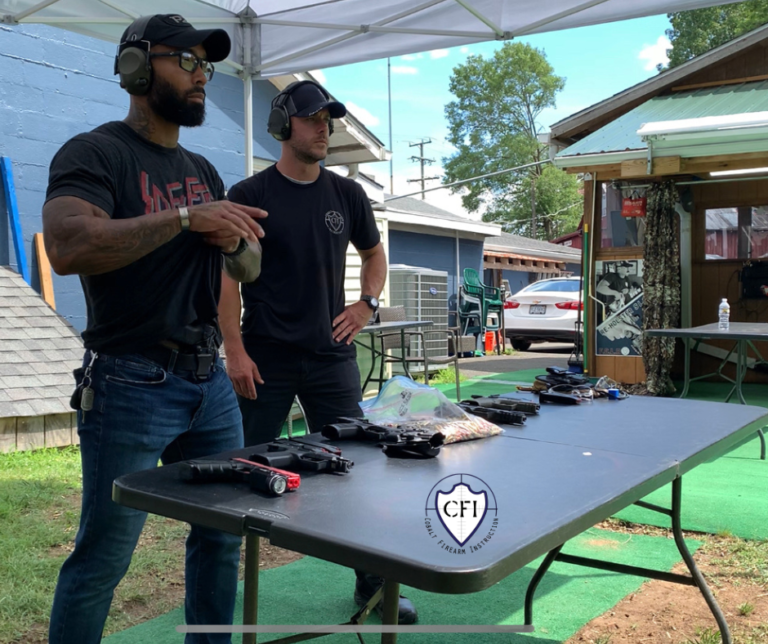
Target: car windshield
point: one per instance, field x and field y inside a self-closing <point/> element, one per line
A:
<point x="558" y="286"/>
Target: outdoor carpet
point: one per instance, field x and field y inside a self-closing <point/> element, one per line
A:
<point x="311" y="591"/>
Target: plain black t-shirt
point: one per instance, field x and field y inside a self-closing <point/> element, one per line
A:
<point x="175" y="285"/>
<point x="301" y="287"/>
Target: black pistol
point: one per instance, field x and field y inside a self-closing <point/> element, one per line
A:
<point x="402" y="441"/>
<point x="290" y="454"/>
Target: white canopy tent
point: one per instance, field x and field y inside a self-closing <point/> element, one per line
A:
<point x="274" y="37"/>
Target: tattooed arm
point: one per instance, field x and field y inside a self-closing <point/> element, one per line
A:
<point x="81" y="237"/>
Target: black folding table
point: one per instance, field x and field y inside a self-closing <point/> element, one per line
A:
<point x="564" y="471"/>
<point x="744" y="334"/>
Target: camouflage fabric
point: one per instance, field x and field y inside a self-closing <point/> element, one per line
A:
<point x="661" y="285"/>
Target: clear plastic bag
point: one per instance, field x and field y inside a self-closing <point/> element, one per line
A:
<point x="405" y="403"/>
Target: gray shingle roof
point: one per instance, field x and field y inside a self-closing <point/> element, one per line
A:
<point x="410" y="204"/>
<point x="38" y="351"/>
<point x="526" y="246"/>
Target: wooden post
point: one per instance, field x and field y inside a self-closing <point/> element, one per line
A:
<point x="7" y="435"/>
<point x="44" y="270"/>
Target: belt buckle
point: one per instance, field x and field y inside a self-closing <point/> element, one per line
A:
<point x="204" y="364"/>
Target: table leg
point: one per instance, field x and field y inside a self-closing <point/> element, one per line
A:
<point x="405" y="353"/>
<point x="695" y="579"/>
<point x="251" y="586"/>
<point x="698" y="578"/>
<point x="391" y="604"/>
<point x="537" y="577"/>
<point x="687" y="381"/>
<point x="761" y="435"/>
<point x="742" y="370"/>
<point x="372" y="347"/>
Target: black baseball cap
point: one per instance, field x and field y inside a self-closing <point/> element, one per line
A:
<point x="309" y="99"/>
<point x="173" y="30"/>
<point x="623" y="265"/>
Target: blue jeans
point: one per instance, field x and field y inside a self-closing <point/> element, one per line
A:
<point x="142" y="414"/>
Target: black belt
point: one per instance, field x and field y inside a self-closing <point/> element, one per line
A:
<point x="197" y="359"/>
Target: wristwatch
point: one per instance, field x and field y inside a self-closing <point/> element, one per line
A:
<point x="372" y="302"/>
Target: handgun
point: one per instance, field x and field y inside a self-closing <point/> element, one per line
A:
<point x="493" y="415"/>
<point x="258" y="477"/>
<point x="291" y="454"/>
<point x="509" y="404"/>
<point x="402" y="441"/>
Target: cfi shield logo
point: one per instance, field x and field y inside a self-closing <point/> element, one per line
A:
<point x="461" y="514"/>
<point x="461" y="511"/>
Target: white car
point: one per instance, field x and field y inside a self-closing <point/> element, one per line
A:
<point x="545" y="311"/>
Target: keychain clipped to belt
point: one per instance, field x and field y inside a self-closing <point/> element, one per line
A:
<point x="83" y="396"/>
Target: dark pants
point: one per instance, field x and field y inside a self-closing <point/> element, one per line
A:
<point x="141" y="414"/>
<point x="327" y="390"/>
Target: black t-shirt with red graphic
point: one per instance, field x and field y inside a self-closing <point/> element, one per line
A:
<point x="177" y="284"/>
<point x="301" y="287"/>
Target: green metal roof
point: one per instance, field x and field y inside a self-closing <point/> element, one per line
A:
<point x="621" y="135"/>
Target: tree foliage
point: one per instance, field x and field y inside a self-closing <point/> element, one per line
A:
<point x="493" y="124"/>
<point x="696" y="32"/>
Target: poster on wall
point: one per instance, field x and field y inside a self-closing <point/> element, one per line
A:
<point x="619" y="315"/>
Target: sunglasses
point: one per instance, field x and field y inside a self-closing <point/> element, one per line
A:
<point x="189" y="62"/>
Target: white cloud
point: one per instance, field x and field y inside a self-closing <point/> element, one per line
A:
<point x="464" y="50"/>
<point x="319" y="76"/>
<point x="438" y="53"/>
<point x="404" y="69"/>
<point x="655" y="54"/>
<point x="411" y="57"/>
<point x="362" y="114"/>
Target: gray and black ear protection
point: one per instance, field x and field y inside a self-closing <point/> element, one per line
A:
<point x="132" y="60"/>
<point x="279" y="123"/>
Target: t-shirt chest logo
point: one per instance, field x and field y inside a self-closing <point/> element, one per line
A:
<point x="335" y="222"/>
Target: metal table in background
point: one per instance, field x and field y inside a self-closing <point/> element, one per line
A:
<point x="598" y="458"/>
<point x="744" y="334"/>
<point x="387" y="327"/>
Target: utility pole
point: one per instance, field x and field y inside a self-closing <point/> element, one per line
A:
<point x="391" y="151"/>
<point x="423" y="161"/>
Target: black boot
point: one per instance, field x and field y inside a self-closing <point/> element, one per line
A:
<point x="367" y="585"/>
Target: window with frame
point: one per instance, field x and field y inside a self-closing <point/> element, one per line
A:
<point x="736" y="233"/>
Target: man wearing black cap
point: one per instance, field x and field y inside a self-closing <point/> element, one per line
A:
<point x="296" y="335"/>
<point x="145" y="224"/>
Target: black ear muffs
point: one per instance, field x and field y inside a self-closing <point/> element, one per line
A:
<point x="132" y="60"/>
<point x="279" y="122"/>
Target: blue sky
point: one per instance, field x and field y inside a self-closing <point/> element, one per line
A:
<point x="597" y="62"/>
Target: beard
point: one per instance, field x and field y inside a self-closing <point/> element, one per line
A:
<point x="305" y="154"/>
<point x="174" y="107"/>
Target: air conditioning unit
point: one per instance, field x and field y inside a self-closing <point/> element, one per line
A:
<point x="424" y="294"/>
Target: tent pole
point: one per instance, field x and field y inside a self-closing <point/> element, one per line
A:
<point x="248" y="92"/>
<point x="248" y="119"/>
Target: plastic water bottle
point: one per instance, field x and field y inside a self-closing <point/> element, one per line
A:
<point x="724" y="315"/>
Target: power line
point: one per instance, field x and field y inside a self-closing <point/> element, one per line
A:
<point x="458" y="183"/>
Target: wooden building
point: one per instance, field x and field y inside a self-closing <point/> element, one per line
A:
<point x="703" y="124"/>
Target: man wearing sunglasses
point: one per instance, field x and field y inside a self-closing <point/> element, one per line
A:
<point x="144" y="224"/>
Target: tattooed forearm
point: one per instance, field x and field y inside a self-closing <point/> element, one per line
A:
<point x="91" y="243"/>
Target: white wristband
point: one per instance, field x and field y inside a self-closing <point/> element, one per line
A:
<point x="184" y="216"/>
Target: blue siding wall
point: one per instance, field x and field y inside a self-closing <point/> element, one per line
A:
<point x="437" y="253"/>
<point x="55" y="84"/>
<point x="517" y="279"/>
